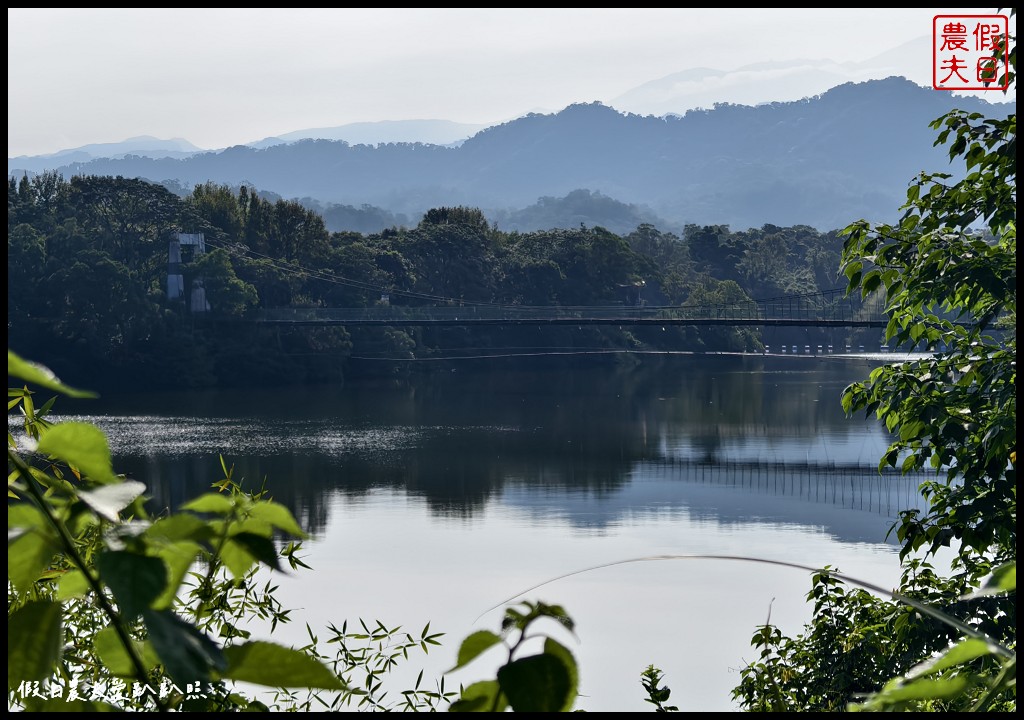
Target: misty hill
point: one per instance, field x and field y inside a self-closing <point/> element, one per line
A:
<point x="143" y="146"/>
<point x="580" y="207"/>
<point x="823" y="161"/>
<point x="429" y="132"/>
<point x="771" y="81"/>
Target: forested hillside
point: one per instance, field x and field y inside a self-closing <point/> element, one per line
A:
<point x="88" y="266"/>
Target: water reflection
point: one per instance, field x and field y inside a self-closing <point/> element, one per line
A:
<point x="463" y="441"/>
<point x="470" y="487"/>
<point x="850" y="504"/>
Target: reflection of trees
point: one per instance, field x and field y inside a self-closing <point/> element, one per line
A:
<point x="473" y="434"/>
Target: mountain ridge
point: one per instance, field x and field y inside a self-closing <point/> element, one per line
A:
<point x="823" y="161"/>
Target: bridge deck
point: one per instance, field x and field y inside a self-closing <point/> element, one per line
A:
<point x="539" y="321"/>
<point x="818" y="310"/>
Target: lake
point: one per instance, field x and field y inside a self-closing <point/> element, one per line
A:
<point x="440" y="498"/>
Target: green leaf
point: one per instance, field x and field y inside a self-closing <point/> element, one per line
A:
<point x="210" y="503"/>
<point x="72" y="584"/>
<point x="266" y="663"/>
<point x="1002" y="580"/>
<point x="1004" y="577"/>
<point x="870" y="282"/>
<point x="23" y="515"/>
<point x="42" y="376"/>
<point x="538" y="683"/>
<point x="556" y="649"/>
<point x="179" y="527"/>
<point x="237" y="559"/>
<point x="253" y="525"/>
<point x="911" y="430"/>
<point x="473" y="645"/>
<point x="909" y="463"/>
<point x="962" y="652"/>
<point x="279" y="516"/>
<point x="923" y="689"/>
<point x="109" y="500"/>
<point x="34" y="637"/>
<point x="847" y="402"/>
<point x="28" y="556"/>
<point x="179" y="558"/>
<point x="243" y="550"/>
<point x="112" y="653"/>
<point x="82" y="445"/>
<point x="258" y="547"/>
<point x="482" y="696"/>
<point x="187" y="654"/>
<point x="136" y="580"/>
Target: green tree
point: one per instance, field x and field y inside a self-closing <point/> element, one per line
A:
<point x="218" y="206"/>
<point x="26" y="257"/>
<point x="947" y="271"/>
<point x="301" y="235"/>
<point x="713" y="249"/>
<point x="227" y="294"/>
<point x="130" y="219"/>
<point x="452" y="251"/>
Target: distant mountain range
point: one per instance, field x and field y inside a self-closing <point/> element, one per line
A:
<point x="823" y="161"/>
<point x="430" y="132"/>
<point x="143" y="146"/>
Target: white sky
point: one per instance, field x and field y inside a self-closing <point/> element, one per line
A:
<point x="219" y="77"/>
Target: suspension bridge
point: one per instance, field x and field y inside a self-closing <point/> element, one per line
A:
<point x="825" y="309"/>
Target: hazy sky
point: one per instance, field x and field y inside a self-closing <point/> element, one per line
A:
<point x="220" y="77"/>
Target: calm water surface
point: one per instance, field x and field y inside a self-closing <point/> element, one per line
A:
<point x="439" y="498"/>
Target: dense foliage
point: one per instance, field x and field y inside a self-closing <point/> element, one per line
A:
<point x="114" y="607"/>
<point x="88" y="266"/>
<point x="948" y="273"/>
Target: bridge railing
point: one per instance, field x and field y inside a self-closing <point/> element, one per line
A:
<point x="521" y="312"/>
<point x="819" y="306"/>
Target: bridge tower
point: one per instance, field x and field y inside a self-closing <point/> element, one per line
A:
<point x="175" y="278"/>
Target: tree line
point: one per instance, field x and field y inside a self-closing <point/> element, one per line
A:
<point x="88" y="264"/>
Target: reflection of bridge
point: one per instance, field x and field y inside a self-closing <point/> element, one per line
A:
<point x="826" y="309"/>
<point x="848" y="485"/>
<point x="740" y="493"/>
